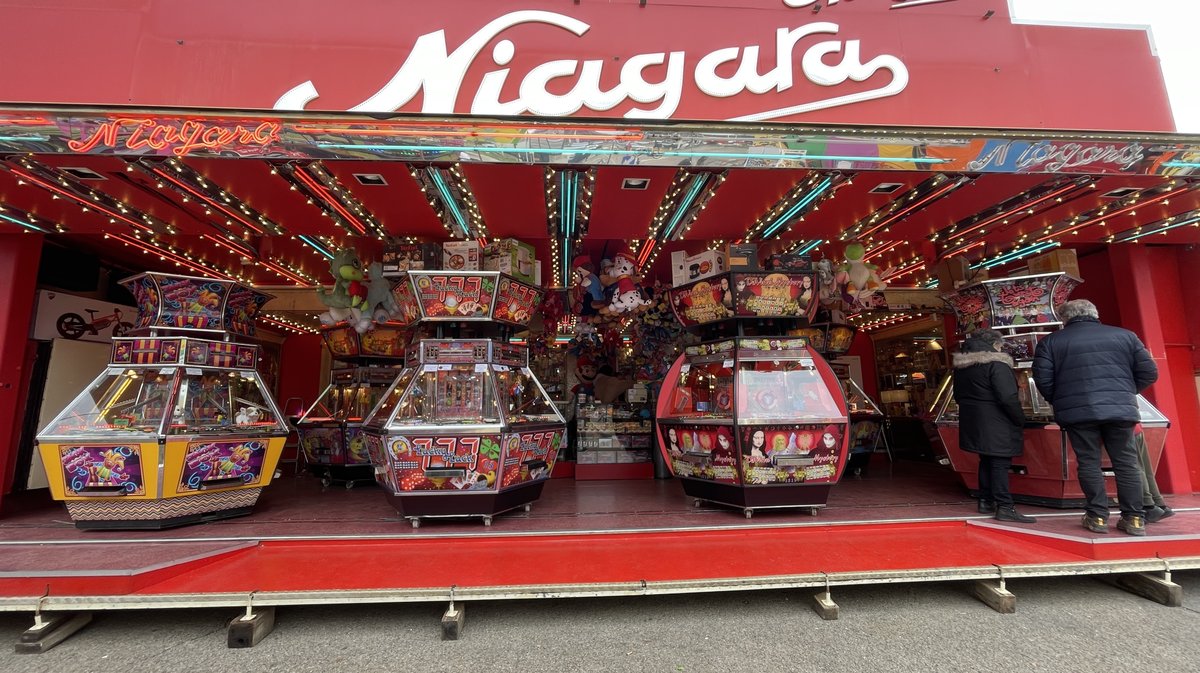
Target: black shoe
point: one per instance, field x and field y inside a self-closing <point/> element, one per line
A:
<point x="1156" y="513"/>
<point x="1011" y="514"/>
<point x="987" y="507"/>
<point x="1095" y="524"/>
<point x="1134" y="525"/>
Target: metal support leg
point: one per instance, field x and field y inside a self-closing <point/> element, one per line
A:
<point x="49" y="630"/>
<point x="994" y="594"/>
<point x="1148" y="585"/>
<point x="452" y="621"/>
<point x="249" y="629"/>
<point x="823" y="604"/>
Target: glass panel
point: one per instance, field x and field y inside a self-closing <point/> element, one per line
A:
<point x="522" y="399"/>
<point x="783" y="389"/>
<point x="224" y="402"/>
<point x="390" y="400"/>
<point x="450" y="395"/>
<point x="1148" y="413"/>
<point x="856" y="400"/>
<point x="130" y="401"/>
<point x="322" y="409"/>
<point x="705" y="390"/>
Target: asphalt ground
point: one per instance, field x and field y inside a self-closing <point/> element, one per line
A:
<point x="1074" y="625"/>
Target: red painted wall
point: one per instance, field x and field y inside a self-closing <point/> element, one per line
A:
<point x="1147" y="289"/>
<point x="864" y="348"/>
<point x="300" y="369"/>
<point x="237" y="54"/>
<point x="19" y="257"/>
<point x="1099" y="286"/>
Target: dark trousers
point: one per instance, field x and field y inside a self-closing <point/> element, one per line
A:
<point x="993" y="480"/>
<point x="1118" y="442"/>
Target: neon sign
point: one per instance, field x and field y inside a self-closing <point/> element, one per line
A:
<point x="181" y="138"/>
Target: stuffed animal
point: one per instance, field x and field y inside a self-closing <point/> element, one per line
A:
<point x="859" y="278"/>
<point x="589" y="292"/>
<point x="626" y="295"/>
<point x="348" y="294"/>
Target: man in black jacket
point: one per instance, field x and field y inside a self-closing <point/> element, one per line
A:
<point x="1091" y="374"/>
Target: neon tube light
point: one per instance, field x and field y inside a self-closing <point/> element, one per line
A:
<point x="28" y="225"/>
<point x="1126" y="209"/>
<point x="23" y="139"/>
<point x="1014" y="255"/>
<point x="206" y="199"/>
<point x="808" y="198"/>
<point x="669" y="153"/>
<point x="1009" y="213"/>
<point x="698" y="183"/>
<point x="1181" y="164"/>
<point x="169" y="256"/>
<point x="810" y="247"/>
<point x="1160" y="230"/>
<point x="448" y="200"/>
<point x="896" y="217"/>
<point x="236" y="249"/>
<point x="315" y="246"/>
<point x="880" y="250"/>
<point x="78" y="199"/>
<point x="325" y="196"/>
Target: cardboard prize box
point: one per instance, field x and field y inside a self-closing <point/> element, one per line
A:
<point x="1056" y="260"/>
<point x="513" y="257"/>
<point x="461" y="256"/>
<point x="685" y="268"/>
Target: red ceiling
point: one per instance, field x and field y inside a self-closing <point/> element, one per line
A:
<point x="512" y="200"/>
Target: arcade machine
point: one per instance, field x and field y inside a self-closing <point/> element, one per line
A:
<point x="752" y="422"/>
<point x="466" y="429"/>
<point x="330" y="431"/>
<point x="179" y="428"/>
<point x="833" y="340"/>
<point x="1022" y="308"/>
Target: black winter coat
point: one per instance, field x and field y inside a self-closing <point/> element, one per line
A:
<point x="990" y="420"/>
<point x="1092" y="373"/>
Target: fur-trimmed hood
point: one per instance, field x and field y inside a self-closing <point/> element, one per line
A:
<point x="962" y="360"/>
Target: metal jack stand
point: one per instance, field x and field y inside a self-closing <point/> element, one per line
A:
<point x="49" y="630"/>
<point x="995" y="595"/>
<point x="249" y="629"/>
<point x="452" y="621"/>
<point x="1158" y="589"/>
<point x="823" y="603"/>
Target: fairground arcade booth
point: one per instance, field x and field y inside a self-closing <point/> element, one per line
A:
<point x="675" y="188"/>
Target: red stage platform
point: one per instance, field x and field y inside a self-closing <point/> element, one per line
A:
<point x="910" y="522"/>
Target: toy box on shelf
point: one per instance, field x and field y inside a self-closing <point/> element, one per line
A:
<point x="685" y="268"/>
<point x="510" y="256"/>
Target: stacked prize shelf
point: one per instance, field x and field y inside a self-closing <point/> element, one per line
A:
<point x="614" y="442"/>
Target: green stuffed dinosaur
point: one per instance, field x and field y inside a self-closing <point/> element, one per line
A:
<point x="348" y="295"/>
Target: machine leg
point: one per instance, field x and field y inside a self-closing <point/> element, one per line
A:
<point x="487" y="520"/>
<point x="528" y="506"/>
<point x="249" y="629"/>
<point x="452" y="621"/>
<point x="50" y="630"/>
<point x="749" y="513"/>
<point x="993" y="593"/>
<point x="1147" y="585"/>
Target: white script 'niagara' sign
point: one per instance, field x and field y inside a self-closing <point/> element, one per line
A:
<point x="437" y="72"/>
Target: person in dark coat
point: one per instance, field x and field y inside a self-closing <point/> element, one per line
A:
<point x="1091" y="374"/>
<point x="990" y="419"/>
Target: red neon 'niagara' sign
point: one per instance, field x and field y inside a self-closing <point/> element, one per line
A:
<point x="181" y="138"/>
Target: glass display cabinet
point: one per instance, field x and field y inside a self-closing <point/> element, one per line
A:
<point x="177" y="429"/>
<point x="330" y="431"/>
<point x="754" y="423"/>
<point x="1023" y="309"/>
<point x="465" y="430"/>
